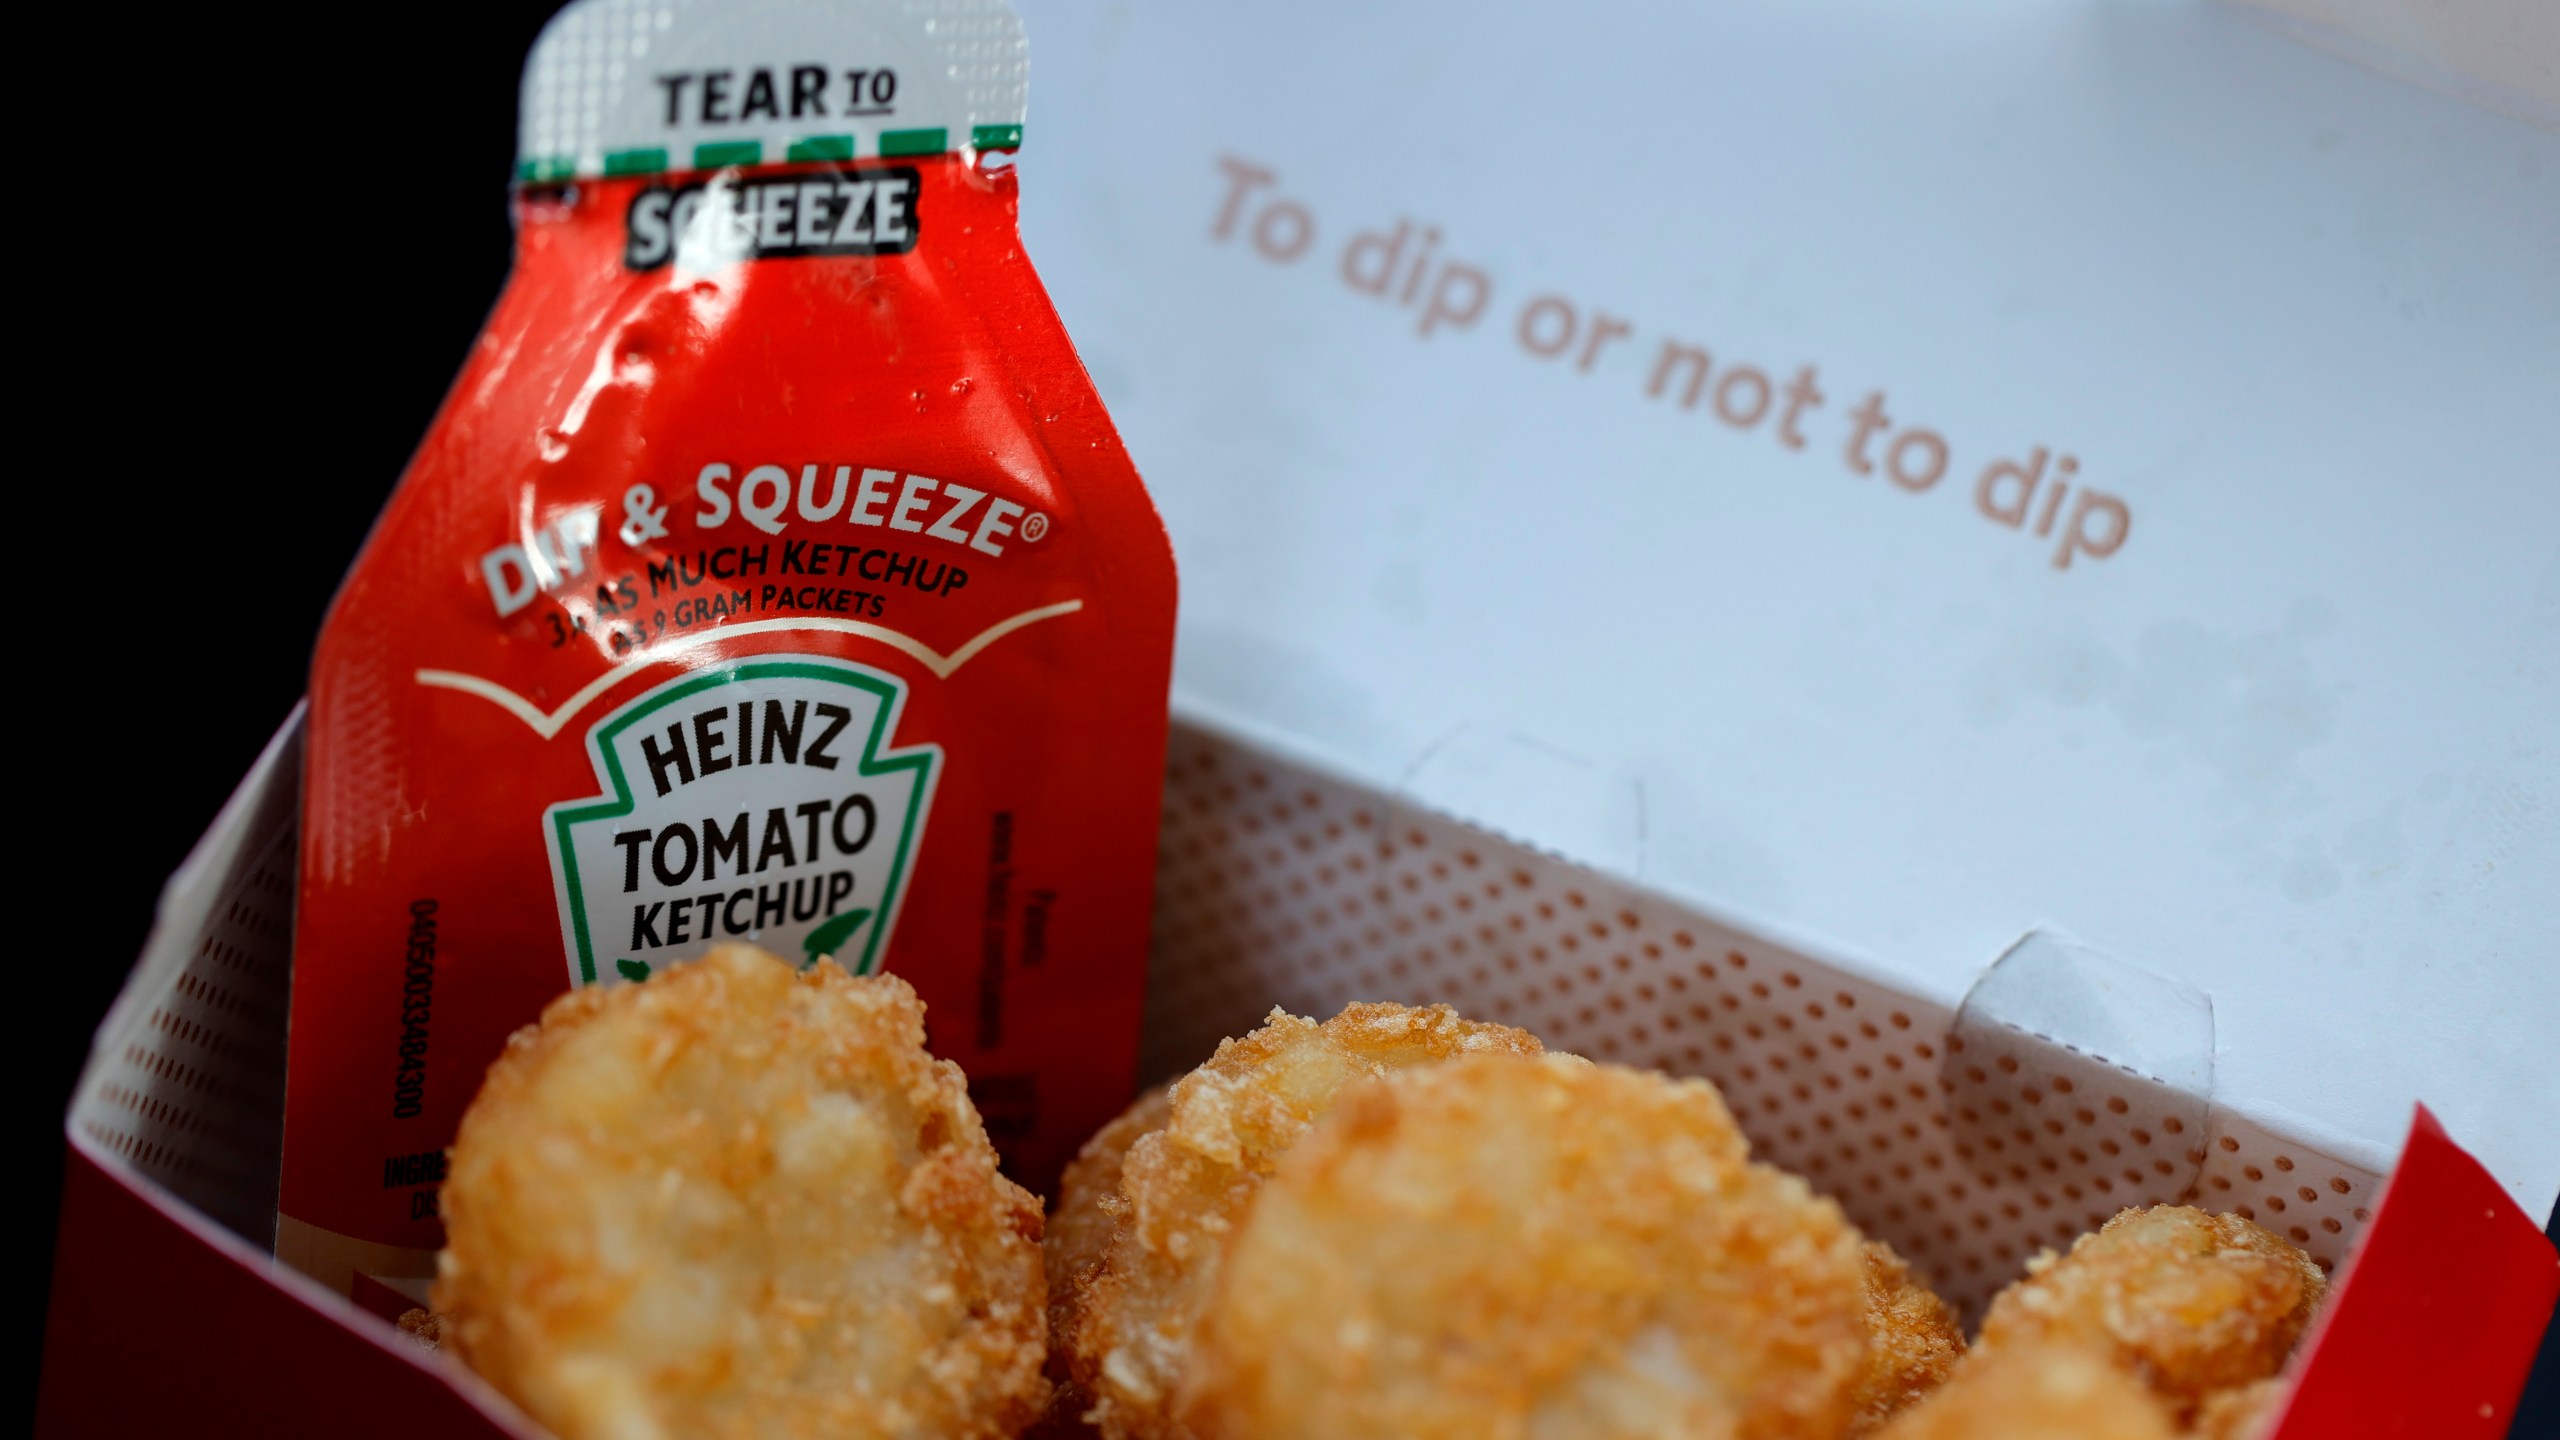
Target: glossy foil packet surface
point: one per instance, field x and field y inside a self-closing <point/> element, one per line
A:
<point x="773" y="573"/>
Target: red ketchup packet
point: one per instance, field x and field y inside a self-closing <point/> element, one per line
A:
<point x="772" y="573"/>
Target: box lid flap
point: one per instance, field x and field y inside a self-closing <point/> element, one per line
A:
<point x="1904" y="480"/>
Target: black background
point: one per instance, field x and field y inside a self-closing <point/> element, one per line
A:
<point x="263" y="381"/>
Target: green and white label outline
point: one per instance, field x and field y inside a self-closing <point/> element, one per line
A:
<point x="874" y="762"/>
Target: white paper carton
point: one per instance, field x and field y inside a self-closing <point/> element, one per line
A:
<point x="2012" y="840"/>
<point x="1877" y="488"/>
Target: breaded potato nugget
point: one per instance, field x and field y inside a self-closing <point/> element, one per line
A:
<point x="1087" y="1211"/>
<point x="1531" y="1247"/>
<point x="2186" y="1302"/>
<point x="740" y="1200"/>
<point x="1089" y="1205"/>
<point x="1913" y="1339"/>
<point x="1185" y="1187"/>
<point x="424" y="1328"/>
<point x="2036" y="1392"/>
<point x="2245" y="1412"/>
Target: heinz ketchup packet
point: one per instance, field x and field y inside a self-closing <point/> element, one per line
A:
<point x="772" y="572"/>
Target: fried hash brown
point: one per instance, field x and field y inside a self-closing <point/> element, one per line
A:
<point x="1512" y="1246"/>
<point x="2186" y="1302"/>
<point x="423" y="1327"/>
<point x="1089" y="1203"/>
<point x="1184" y="1188"/>
<point x="2037" y="1392"/>
<point x="2244" y="1413"/>
<point x="740" y="1200"/>
<point x="1088" y="1209"/>
<point x="1913" y="1339"/>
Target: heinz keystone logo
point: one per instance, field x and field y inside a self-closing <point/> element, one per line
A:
<point x="755" y="801"/>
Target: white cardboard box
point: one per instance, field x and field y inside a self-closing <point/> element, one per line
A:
<point x="2290" y="746"/>
<point x="1507" y="681"/>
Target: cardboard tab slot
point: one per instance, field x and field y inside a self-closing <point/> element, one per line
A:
<point x="2077" y="1085"/>
<point x="1280" y="885"/>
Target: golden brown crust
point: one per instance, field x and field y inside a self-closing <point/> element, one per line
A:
<point x="1080" y="1225"/>
<point x="1088" y="1205"/>
<point x="425" y="1328"/>
<point x="1186" y="1185"/>
<point x="1913" y="1340"/>
<point x="1523" y="1246"/>
<point x="2186" y="1302"/>
<point x="2241" y="1413"/>
<point x="2036" y="1392"/>
<point x="741" y="1200"/>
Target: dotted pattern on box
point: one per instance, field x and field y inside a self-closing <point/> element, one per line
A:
<point x="193" y="1096"/>
<point x="1278" y="886"/>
